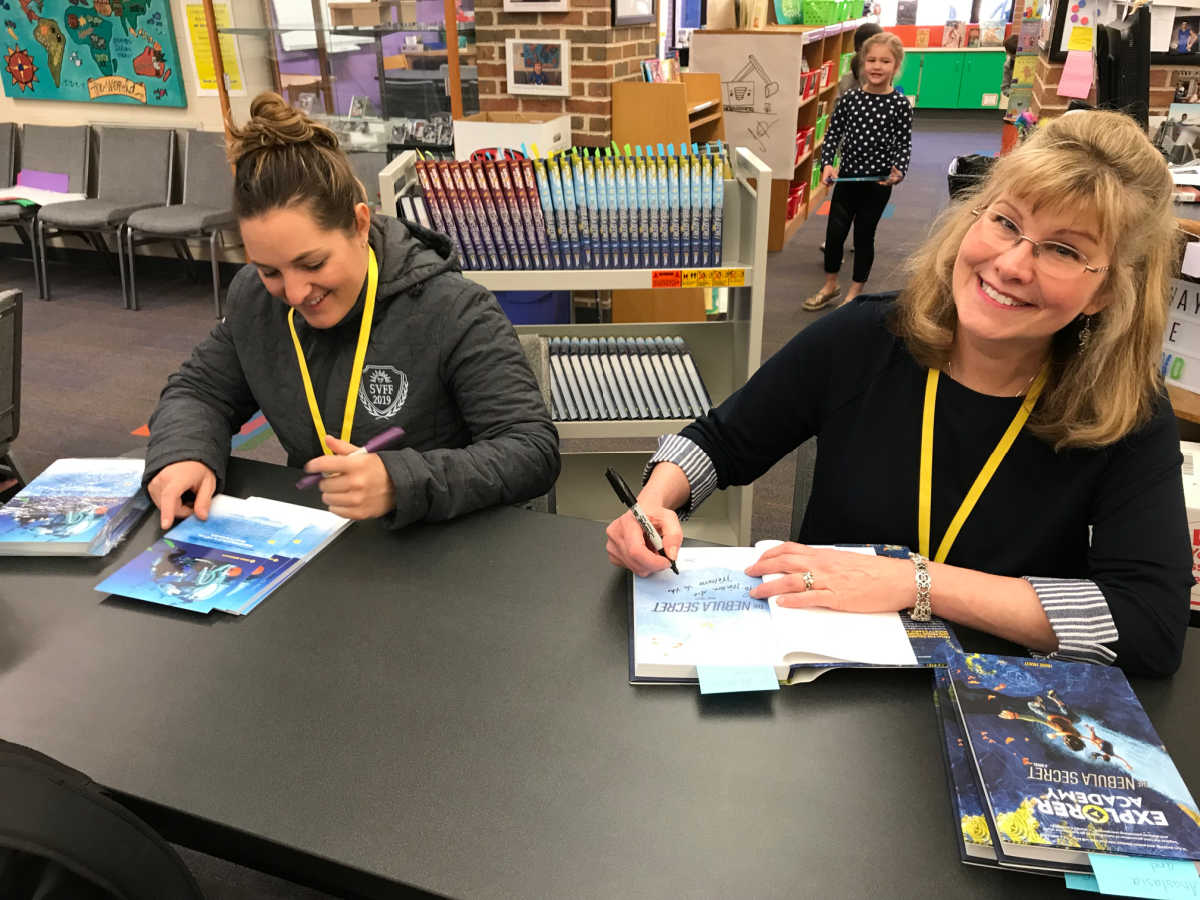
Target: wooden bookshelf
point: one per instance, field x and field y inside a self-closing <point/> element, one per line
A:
<point x="672" y="112"/>
<point x="775" y="75"/>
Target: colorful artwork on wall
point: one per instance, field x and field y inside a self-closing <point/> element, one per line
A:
<point x="116" y="51"/>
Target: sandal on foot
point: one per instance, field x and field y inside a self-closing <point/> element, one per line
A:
<point x="821" y="299"/>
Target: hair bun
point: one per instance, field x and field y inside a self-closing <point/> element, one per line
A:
<point x="273" y="124"/>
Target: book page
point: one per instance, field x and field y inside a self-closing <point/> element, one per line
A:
<point x="817" y="635"/>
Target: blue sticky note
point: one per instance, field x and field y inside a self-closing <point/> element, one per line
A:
<point x="1141" y="876"/>
<point x="1077" y="881"/>
<point x="729" y="679"/>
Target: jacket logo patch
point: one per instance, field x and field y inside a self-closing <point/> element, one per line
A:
<point x="382" y="391"/>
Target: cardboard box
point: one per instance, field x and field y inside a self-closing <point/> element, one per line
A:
<point x="372" y="13"/>
<point x="505" y="130"/>
<point x="1191" y="496"/>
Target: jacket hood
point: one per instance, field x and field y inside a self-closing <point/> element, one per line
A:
<point x="409" y="254"/>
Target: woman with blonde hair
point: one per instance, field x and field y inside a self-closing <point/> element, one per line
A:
<point x="1003" y="415"/>
<point x="341" y="326"/>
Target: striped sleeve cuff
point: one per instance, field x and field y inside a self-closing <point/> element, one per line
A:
<point x="699" y="469"/>
<point x="1080" y="617"/>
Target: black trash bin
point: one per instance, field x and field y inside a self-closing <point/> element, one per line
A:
<point x="967" y="172"/>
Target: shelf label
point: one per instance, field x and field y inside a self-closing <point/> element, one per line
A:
<point x="714" y="277"/>
<point x="665" y="278"/>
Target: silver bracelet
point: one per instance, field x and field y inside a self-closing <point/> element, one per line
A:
<point x="922" y="610"/>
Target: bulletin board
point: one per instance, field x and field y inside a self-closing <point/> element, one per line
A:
<point x="110" y="51"/>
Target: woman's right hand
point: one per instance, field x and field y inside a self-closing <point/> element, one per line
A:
<point x="627" y="542"/>
<point x="167" y="488"/>
<point x="828" y="174"/>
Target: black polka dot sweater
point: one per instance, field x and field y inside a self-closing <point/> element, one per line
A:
<point x="873" y="132"/>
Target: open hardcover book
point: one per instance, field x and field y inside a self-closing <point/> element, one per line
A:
<point x="76" y="507"/>
<point x="1067" y="764"/>
<point x="229" y="563"/>
<point x="705" y="616"/>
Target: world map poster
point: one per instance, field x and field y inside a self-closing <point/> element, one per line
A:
<point x="117" y="51"/>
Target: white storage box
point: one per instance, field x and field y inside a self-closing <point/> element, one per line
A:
<point x="505" y="130"/>
<point x="1191" y="497"/>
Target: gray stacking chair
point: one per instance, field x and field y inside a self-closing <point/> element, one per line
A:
<point x="10" y="388"/>
<point x="51" y="148"/>
<point x="19" y="217"/>
<point x="204" y="212"/>
<point x="136" y="166"/>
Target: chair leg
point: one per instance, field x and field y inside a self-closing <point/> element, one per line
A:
<point x="121" y="266"/>
<point x="216" y="271"/>
<point x="33" y="241"/>
<point x="133" y="301"/>
<point x="41" y="240"/>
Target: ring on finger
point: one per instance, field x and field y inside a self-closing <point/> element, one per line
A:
<point x="807" y="577"/>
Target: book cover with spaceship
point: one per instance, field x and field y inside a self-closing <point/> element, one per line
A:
<point x="121" y="51"/>
<point x="1069" y="764"/>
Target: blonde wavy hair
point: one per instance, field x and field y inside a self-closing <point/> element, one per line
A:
<point x="883" y="39"/>
<point x="1099" y="167"/>
<point x="283" y="158"/>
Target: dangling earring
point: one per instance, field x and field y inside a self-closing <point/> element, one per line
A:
<point x="1085" y="333"/>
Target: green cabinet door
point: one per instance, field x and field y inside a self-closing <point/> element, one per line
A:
<point x="910" y="73"/>
<point x="981" y="76"/>
<point x="940" y="78"/>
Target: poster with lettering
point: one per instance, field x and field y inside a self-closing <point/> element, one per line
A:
<point x="1069" y="763"/>
<point x="114" y="51"/>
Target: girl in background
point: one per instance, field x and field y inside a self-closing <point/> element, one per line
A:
<point x="872" y="130"/>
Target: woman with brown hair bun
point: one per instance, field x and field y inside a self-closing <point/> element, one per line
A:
<point x="341" y="326"/>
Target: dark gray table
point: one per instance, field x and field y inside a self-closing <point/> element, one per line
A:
<point x="447" y="709"/>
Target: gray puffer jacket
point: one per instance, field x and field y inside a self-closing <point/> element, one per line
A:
<point x="443" y="363"/>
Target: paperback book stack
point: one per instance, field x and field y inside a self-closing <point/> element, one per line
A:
<point x="625" y="378"/>
<point x="1052" y="764"/>
<point x="76" y="507"/>
<point x="581" y="209"/>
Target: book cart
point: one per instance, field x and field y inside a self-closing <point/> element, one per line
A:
<point x="725" y="352"/>
<point x="768" y="101"/>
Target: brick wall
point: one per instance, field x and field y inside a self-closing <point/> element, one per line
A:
<point x="600" y="55"/>
<point x="1046" y="101"/>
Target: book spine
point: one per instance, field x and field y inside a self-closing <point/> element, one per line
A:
<point x="664" y="211"/>
<point x="697" y="207"/>
<point x="454" y="214"/>
<point x="546" y="200"/>
<point x="595" y="170"/>
<point x="523" y="171"/>
<point x="435" y="208"/>
<point x="706" y="201"/>
<point x="514" y="194"/>
<point x="595" y="214"/>
<point x="653" y="211"/>
<point x="673" y="201"/>
<point x="563" y="167"/>
<point x="621" y="210"/>
<point x="718" y="206"/>
<point x="584" y="205"/>
<point x="471" y="215"/>
<point x="685" y="208"/>
<point x="509" y="215"/>
<point x="486" y="210"/>
<point x="640" y="203"/>
<point x="560" y="214"/>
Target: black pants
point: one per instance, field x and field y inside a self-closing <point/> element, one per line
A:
<point x="861" y="203"/>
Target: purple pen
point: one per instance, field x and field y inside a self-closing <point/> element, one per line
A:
<point x="381" y="441"/>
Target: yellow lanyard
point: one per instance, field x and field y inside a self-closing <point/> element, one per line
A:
<point x="360" y="355"/>
<point x="981" y="480"/>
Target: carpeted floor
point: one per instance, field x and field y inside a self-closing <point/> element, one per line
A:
<point x="92" y="370"/>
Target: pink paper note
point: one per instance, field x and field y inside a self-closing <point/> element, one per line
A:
<point x="1077" y="75"/>
<point x="46" y="181"/>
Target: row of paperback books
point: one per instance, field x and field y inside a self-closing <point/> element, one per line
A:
<point x="582" y="209"/>
<point x="625" y="378"/>
<point x="1053" y="763"/>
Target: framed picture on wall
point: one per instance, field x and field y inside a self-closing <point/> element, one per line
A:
<point x="535" y="6"/>
<point x="633" y="12"/>
<point x="538" y="67"/>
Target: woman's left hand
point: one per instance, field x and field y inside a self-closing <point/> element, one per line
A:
<point x="895" y="177"/>
<point x="355" y="487"/>
<point x="841" y="580"/>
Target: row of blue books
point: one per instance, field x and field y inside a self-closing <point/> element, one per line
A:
<point x="582" y="209"/>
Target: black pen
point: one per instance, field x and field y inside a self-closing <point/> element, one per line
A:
<point x="625" y="495"/>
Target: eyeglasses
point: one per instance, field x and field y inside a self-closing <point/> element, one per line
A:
<point x="1053" y="258"/>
